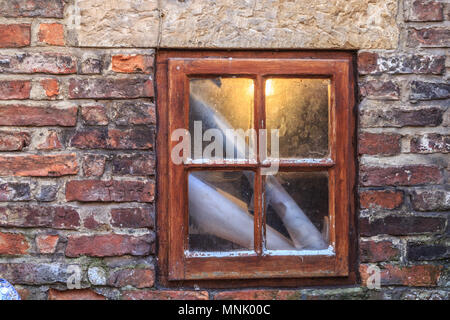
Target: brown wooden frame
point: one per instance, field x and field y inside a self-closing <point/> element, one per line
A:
<point x="173" y="69"/>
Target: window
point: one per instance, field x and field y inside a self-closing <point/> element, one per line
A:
<point x="258" y="181"/>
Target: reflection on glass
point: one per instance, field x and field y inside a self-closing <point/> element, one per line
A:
<point x="297" y="208"/>
<point x="220" y="103"/>
<point x="298" y="108"/>
<point x="221" y="210"/>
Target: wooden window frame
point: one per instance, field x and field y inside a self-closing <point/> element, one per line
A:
<point x="176" y="268"/>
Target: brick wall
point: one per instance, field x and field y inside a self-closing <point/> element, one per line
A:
<point x="77" y="163"/>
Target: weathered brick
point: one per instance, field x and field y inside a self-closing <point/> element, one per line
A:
<point x="14" y="140"/>
<point x="46" y="243"/>
<point x="379" y="143"/>
<point x="50" y="141"/>
<point x="47" y="193"/>
<point x="91" y="65"/>
<point x="401" y="225"/>
<point x="14" y="35"/>
<point x="430" y="143"/>
<point x="80" y="294"/>
<point x="421" y="90"/>
<point x="377" y="251"/>
<point x="47" y="62"/>
<point x="374" y="63"/>
<point x="35" y="273"/>
<point x="13" y="244"/>
<point x="251" y="294"/>
<point x="384" y="199"/>
<point x="138" y="278"/>
<point x="133" y="112"/>
<point x="135" y="164"/>
<point x="165" y="295"/>
<point x="424" y="10"/>
<point x="94" y="165"/>
<point x="110" y="88"/>
<point x="430" y="200"/>
<point x="39" y="216"/>
<point x="397" y="117"/>
<point x="408" y="175"/>
<point x="422" y="251"/>
<point x="51" y="33"/>
<point x="103" y="138"/>
<point x="413" y="276"/>
<point x="15" y="191"/>
<point x="32" y="8"/>
<point x="39" y="165"/>
<point x="380" y="90"/>
<point x="21" y="115"/>
<point x="428" y="37"/>
<point x="107" y="245"/>
<point x="15" y="90"/>
<point x="132" y="63"/>
<point x="110" y="191"/>
<point x="133" y="218"/>
<point x="51" y="87"/>
<point x="94" y="115"/>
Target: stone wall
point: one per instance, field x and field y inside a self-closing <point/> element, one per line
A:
<point x="77" y="131"/>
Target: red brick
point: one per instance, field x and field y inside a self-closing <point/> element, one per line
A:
<point x="409" y="175"/>
<point x="51" y="33"/>
<point x="380" y="90"/>
<point x="428" y="37"/>
<point x="39" y="165"/>
<point x="39" y="216"/>
<point x="430" y="200"/>
<point x="13" y="244"/>
<point x="384" y="199"/>
<point x="111" y="88"/>
<point x="367" y="62"/>
<point x="379" y="143"/>
<point x="94" y="165"/>
<point x="33" y="8"/>
<point x="45" y="62"/>
<point x="252" y="294"/>
<point x="15" y="90"/>
<point x="21" y="115"/>
<point x="46" y="244"/>
<point x="138" y="278"/>
<point x="136" y="164"/>
<point x="51" y="87"/>
<point x="377" y="251"/>
<point x="133" y="218"/>
<point x="110" y="191"/>
<point x="51" y="142"/>
<point x="15" y="35"/>
<point x="133" y="112"/>
<point x="94" y="115"/>
<point x="401" y="225"/>
<point x="81" y="294"/>
<point x="165" y="295"/>
<point x="430" y="143"/>
<point x="132" y="63"/>
<point x="14" y="140"/>
<point x="103" y="138"/>
<point x="108" y="245"/>
<point x="424" y="10"/>
<point x="412" y="276"/>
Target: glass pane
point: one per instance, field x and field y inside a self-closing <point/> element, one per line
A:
<point x="221" y="103"/>
<point x="297" y="209"/>
<point x="221" y="210"/>
<point x="298" y="108"/>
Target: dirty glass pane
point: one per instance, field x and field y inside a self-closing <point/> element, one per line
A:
<point x="220" y="210"/>
<point x="298" y="108"/>
<point x="221" y="104"/>
<point x="296" y="205"/>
